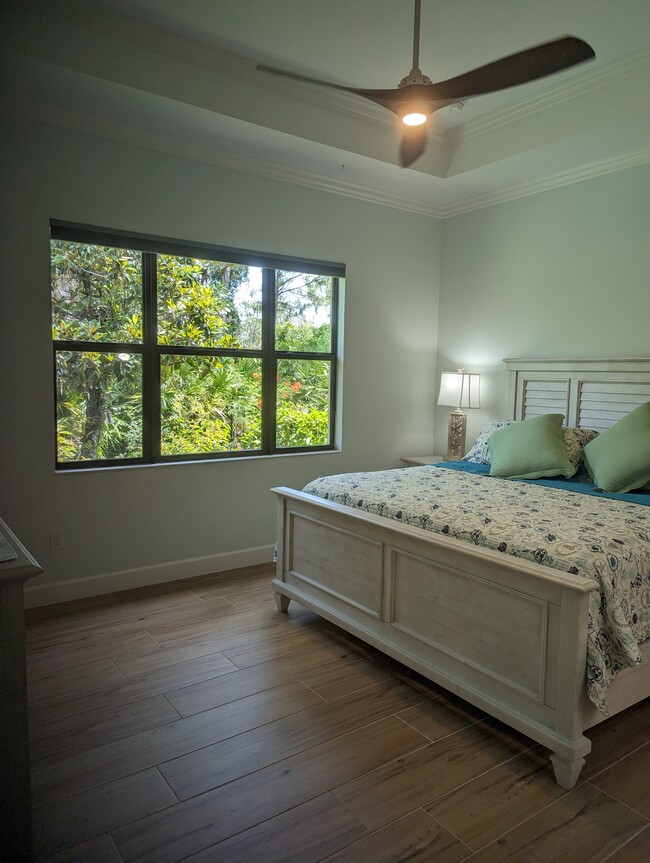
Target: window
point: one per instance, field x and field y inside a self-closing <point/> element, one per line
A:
<point x="165" y="351"/>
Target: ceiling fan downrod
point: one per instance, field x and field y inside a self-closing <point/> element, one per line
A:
<point x="414" y="110"/>
<point x="415" y="76"/>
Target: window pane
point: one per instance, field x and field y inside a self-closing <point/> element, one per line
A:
<point x="210" y="404"/>
<point x="96" y="293"/>
<point x="303" y="403"/>
<point x="303" y="304"/>
<point x="99" y="405"/>
<point x="208" y="304"/>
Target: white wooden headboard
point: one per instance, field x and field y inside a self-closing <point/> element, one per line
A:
<point x="591" y="393"/>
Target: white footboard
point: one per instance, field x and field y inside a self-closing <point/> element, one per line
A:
<point x="505" y="634"/>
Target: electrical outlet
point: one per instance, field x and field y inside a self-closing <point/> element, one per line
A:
<point x="57" y="541"/>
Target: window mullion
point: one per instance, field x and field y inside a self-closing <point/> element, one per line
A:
<point x="151" y="361"/>
<point x="269" y="364"/>
<point x="334" y="367"/>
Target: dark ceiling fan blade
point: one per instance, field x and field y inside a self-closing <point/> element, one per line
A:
<point x="387" y="98"/>
<point x="379" y="95"/>
<point x="317" y="81"/>
<point x="396" y="99"/>
<point x="412" y="145"/>
<point x="528" y="65"/>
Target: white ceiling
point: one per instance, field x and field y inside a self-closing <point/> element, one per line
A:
<point x="179" y="75"/>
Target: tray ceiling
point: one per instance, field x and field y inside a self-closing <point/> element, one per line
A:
<point x="180" y="76"/>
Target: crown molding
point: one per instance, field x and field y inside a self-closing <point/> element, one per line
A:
<point x="309" y="179"/>
<point x="128" y="134"/>
<point x="335" y="185"/>
<point x="545" y="184"/>
<point x="580" y="84"/>
<point x="222" y="158"/>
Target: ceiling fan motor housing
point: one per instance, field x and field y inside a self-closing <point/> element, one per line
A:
<point x="415" y="76"/>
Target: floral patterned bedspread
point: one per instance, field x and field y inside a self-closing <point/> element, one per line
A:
<point x="608" y="540"/>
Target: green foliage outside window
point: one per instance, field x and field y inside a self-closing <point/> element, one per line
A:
<point x="303" y="403"/>
<point x="209" y="402"/>
<point x="99" y="406"/>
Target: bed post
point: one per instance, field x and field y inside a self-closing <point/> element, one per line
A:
<point x="567" y="770"/>
<point x="569" y="760"/>
<point x="281" y="600"/>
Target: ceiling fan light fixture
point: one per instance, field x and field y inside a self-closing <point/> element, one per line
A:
<point x="414" y="112"/>
<point x="414" y="118"/>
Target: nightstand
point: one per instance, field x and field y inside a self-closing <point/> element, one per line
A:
<point x="415" y="460"/>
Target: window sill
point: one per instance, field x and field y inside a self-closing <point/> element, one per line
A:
<point x="193" y="462"/>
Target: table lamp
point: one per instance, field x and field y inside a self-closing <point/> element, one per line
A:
<point x="462" y="390"/>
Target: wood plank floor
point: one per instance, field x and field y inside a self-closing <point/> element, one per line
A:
<point x="194" y="722"/>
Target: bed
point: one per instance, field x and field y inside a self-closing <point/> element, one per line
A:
<point x="512" y="633"/>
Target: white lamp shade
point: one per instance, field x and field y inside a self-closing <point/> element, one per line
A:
<point x="459" y="390"/>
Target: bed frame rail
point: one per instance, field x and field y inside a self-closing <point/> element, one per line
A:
<point x="498" y="631"/>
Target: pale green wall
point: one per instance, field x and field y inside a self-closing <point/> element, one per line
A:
<point x="566" y="272"/>
<point x="562" y="273"/>
<point x="116" y="521"/>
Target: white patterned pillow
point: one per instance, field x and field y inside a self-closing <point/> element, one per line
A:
<point x="479" y="453"/>
<point x="575" y="440"/>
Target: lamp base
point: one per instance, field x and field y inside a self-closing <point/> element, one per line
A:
<point x="456" y="436"/>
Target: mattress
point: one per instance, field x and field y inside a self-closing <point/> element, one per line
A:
<point x="589" y="535"/>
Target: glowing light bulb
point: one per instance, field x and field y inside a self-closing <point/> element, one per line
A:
<point x="415" y="118"/>
<point x="415" y="112"/>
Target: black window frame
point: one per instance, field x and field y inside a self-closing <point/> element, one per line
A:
<point x="152" y="352"/>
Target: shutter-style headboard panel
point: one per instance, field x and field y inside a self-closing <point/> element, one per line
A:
<point x="603" y="403"/>
<point x="544" y="397"/>
<point x="591" y="393"/>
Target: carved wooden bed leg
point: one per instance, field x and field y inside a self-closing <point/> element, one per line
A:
<point x="281" y="601"/>
<point x="566" y="770"/>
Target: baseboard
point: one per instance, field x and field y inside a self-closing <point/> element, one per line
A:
<point x="37" y="595"/>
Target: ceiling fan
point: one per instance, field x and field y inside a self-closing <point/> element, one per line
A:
<point x="416" y="97"/>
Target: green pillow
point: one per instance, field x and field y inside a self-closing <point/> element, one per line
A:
<point x="618" y="459"/>
<point x="530" y="449"/>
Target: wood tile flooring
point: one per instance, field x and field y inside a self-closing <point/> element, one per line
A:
<point x="194" y="722"/>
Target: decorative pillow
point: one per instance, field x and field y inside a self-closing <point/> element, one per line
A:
<point x="575" y="440"/>
<point x="618" y="460"/>
<point x="479" y="453"/>
<point x="530" y="449"/>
